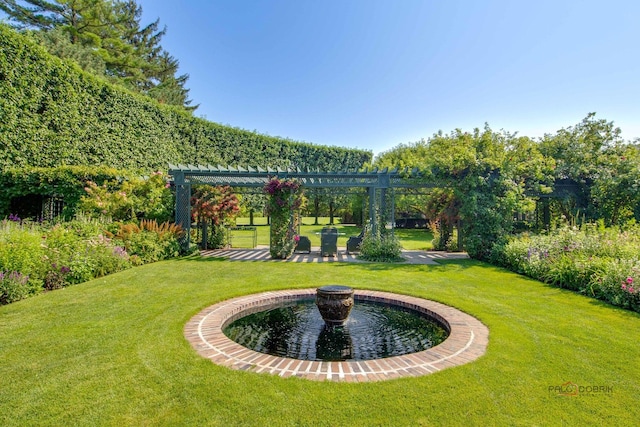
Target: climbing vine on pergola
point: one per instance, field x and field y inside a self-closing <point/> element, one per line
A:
<point x="285" y="198"/>
<point x="380" y="185"/>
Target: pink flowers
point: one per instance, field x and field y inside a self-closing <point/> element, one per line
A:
<point x="627" y="285"/>
<point x="286" y="185"/>
<point x="285" y="194"/>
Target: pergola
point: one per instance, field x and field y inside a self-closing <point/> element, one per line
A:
<point x="380" y="184"/>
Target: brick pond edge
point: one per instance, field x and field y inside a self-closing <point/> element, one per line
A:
<point x="467" y="341"/>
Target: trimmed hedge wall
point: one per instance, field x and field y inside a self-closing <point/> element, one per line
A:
<point x="52" y="114"/>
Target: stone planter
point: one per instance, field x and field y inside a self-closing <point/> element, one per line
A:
<point x="334" y="303"/>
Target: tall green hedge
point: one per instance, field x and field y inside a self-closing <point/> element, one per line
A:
<point x="52" y="114"/>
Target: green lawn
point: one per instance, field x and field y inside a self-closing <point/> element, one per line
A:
<point x="413" y="239"/>
<point x="112" y="352"/>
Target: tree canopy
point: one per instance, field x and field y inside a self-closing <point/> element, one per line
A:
<point x="584" y="172"/>
<point x="107" y="38"/>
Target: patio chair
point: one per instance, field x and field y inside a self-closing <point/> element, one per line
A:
<point x="354" y="242"/>
<point x="328" y="241"/>
<point x="303" y="245"/>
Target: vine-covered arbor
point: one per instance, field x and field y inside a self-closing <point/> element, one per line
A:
<point x="380" y="184"/>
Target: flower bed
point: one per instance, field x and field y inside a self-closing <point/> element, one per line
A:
<point x="601" y="263"/>
<point x="36" y="257"/>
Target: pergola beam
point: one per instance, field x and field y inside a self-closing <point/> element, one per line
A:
<point x="185" y="176"/>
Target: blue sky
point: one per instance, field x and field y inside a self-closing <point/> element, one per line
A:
<point x="373" y="74"/>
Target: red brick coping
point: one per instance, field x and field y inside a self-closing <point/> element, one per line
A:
<point x="467" y="341"/>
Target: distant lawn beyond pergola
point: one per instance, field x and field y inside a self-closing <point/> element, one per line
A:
<point x="112" y="352"/>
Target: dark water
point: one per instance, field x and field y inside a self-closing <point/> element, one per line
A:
<point x="373" y="331"/>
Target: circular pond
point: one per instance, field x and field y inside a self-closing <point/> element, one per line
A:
<point x="467" y="339"/>
<point x="372" y="331"/>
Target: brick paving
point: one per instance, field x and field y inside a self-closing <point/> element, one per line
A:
<point x="467" y="341"/>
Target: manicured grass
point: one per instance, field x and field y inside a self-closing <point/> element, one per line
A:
<point x="306" y="229"/>
<point x="112" y="352"/>
<point x="411" y="239"/>
<point x="241" y="239"/>
<point x="415" y="238"/>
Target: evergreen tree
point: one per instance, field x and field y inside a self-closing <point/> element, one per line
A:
<point x="58" y="43"/>
<point x="110" y="31"/>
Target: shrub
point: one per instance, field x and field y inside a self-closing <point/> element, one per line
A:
<point x="380" y="247"/>
<point x="617" y="282"/>
<point x="83" y="253"/>
<point x="109" y="258"/>
<point x="566" y="271"/>
<point x="212" y="208"/>
<point x="63" y="182"/>
<point x="441" y="238"/>
<point x="41" y="256"/>
<point x="14" y="286"/>
<point x="55" y="278"/>
<point x="69" y="251"/>
<point x="22" y="250"/>
<point x="597" y="262"/>
<point x="217" y="237"/>
<point x="149" y="241"/>
<point x="131" y="199"/>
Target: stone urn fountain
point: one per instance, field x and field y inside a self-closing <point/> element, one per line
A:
<point x="334" y="303"/>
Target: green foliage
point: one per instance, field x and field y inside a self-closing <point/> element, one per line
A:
<point x="598" y="174"/>
<point x="149" y="241"/>
<point x="443" y="238"/>
<point x="285" y="198"/>
<point x="150" y="247"/>
<point x="58" y="43"/>
<point x="616" y="189"/>
<point x="585" y="172"/>
<point x="75" y="257"/>
<point x="380" y="247"/>
<point x="483" y="193"/>
<point x="601" y="263"/>
<point x="104" y="37"/>
<point x="67" y="182"/>
<point x="53" y="114"/>
<point x="54" y="256"/>
<point x="482" y="178"/>
<point x="131" y="199"/>
<point x="213" y="208"/>
<point x="13" y="287"/>
<point x="217" y="237"/>
<point x="22" y="250"/>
